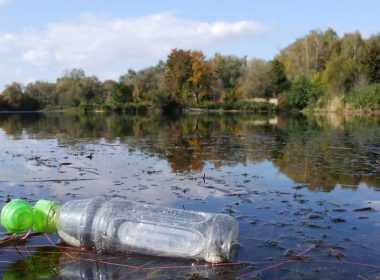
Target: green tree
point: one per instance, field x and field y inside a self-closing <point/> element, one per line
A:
<point x="42" y="91"/>
<point x="68" y="87"/>
<point x="129" y="80"/>
<point x="331" y="47"/>
<point x="228" y="72"/>
<point x="309" y="54"/>
<point x="339" y="75"/>
<point x="74" y="88"/>
<point x="91" y="91"/>
<point x="371" y="58"/>
<point x="257" y="79"/>
<point x="280" y="82"/>
<point x="13" y="98"/>
<point x="76" y="74"/>
<point x="148" y="85"/>
<point x="304" y="92"/>
<point x="117" y="94"/>
<point x="352" y="46"/>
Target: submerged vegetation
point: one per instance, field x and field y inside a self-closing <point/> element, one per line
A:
<point x="320" y="71"/>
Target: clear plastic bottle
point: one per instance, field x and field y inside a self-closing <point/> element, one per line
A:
<point x="118" y="225"/>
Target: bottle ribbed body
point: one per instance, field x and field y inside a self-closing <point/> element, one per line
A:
<point x="118" y="225"/>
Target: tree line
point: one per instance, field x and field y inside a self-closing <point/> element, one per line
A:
<point x="320" y="71"/>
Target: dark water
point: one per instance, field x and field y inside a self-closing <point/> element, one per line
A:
<point x="306" y="190"/>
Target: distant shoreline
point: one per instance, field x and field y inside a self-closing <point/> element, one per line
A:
<point x="191" y="110"/>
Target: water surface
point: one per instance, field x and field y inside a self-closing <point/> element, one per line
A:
<point x="305" y="190"/>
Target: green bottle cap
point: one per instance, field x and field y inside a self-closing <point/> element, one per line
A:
<point x="17" y="216"/>
<point x="44" y="216"/>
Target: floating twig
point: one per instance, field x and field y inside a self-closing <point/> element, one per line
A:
<point x="60" y="180"/>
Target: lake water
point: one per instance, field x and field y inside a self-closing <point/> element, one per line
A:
<point x="305" y="189"/>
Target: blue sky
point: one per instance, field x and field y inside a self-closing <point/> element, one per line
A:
<point x="41" y="38"/>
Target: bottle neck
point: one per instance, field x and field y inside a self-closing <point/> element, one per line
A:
<point x="45" y="216"/>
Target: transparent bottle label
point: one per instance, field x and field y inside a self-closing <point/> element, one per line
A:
<point x="159" y="238"/>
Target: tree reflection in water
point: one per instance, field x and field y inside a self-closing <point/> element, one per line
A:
<point x="319" y="151"/>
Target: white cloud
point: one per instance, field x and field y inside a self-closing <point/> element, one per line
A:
<point x="11" y="74"/>
<point x="7" y="41"/>
<point x="96" y="42"/>
<point x="3" y="2"/>
<point x="104" y="45"/>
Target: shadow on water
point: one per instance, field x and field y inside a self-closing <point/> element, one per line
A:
<point x="305" y="189"/>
